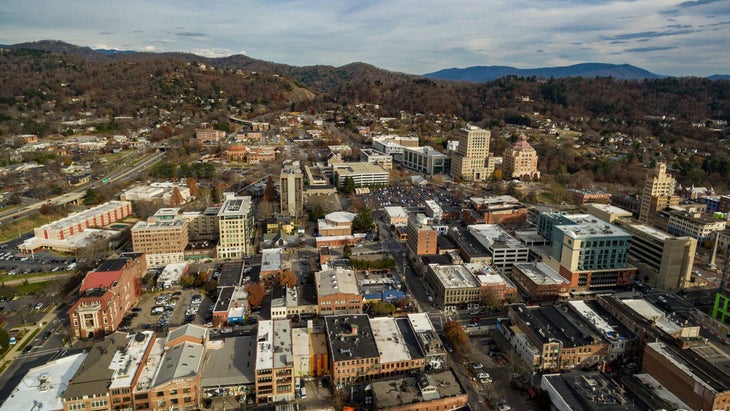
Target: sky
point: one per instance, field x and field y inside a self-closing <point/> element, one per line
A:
<point x="672" y="37"/>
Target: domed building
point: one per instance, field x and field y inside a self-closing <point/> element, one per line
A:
<point x="520" y="161"/>
<point x="235" y="152"/>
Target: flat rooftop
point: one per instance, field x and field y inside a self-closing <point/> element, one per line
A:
<point x="395" y="340"/>
<point x="81" y="216"/>
<point x="700" y="369"/>
<point x="396" y="212"/>
<point x="540" y="273"/>
<point x="406" y="390"/>
<point x="271" y="259"/>
<point x="336" y="280"/>
<point x="652" y="314"/>
<point x="652" y="232"/>
<point x="159" y="224"/>
<point x="454" y="276"/>
<point x="350" y="337"/>
<point x="610" y="209"/>
<point x="235" y="206"/>
<point x="274" y="345"/>
<point x="230" y="362"/>
<point x="587" y="226"/>
<point x="127" y="361"/>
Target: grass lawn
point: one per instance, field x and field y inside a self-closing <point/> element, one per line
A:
<point x="31" y="288"/>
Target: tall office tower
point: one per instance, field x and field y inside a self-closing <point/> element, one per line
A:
<point x="520" y="161"/>
<point x="658" y="186"/>
<point x="469" y="163"/>
<point x="236" y="227"/>
<point x="291" y="186"/>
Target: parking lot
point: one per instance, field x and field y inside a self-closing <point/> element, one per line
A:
<point x="172" y="310"/>
<point x="407" y="196"/>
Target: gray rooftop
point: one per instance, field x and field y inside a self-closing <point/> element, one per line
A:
<point x="350" y="337"/>
<point x="180" y="361"/>
<point x="398" y="392"/>
<point x="94" y="376"/>
<point x="230" y="362"/>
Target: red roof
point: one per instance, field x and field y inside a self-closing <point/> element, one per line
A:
<point x="96" y="279"/>
<point x="521" y="144"/>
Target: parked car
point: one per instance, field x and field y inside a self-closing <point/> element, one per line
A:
<point x="477" y="365"/>
<point x="227" y="330"/>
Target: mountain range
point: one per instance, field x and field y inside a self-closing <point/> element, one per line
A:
<point x="476" y="74"/>
<point x="480" y="74"/>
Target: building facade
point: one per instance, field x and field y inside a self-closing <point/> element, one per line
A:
<point x="291" y="189"/>
<point x="520" y="161"/>
<point x="658" y="184"/>
<point x="421" y="236"/>
<point x="469" y="162"/>
<point x="236" y="227"/>
<point x="163" y="241"/>
<point x="426" y="160"/>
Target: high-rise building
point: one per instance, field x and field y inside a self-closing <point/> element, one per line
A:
<point x="422" y="236"/>
<point x="520" y="161"/>
<point x="163" y="241"/>
<point x="658" y="185"/>
<point x="236" y="227"/>
<point x="291" y="186"/>
<point x="469" y="163"/>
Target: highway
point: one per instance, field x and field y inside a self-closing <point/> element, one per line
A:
<point x="128" y="169"/>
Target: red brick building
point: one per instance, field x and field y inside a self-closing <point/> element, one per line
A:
<point x="107" y="294"/>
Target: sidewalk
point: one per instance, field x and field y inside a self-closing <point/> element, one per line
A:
<point x="13" y="351"/>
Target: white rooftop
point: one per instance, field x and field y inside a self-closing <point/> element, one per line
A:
<point x="82" y="216"/>
<point x="389" y="340"/>
<point x="421" y="323"/>
<point x="592" y="317"/>
<point x="126" y="362"/>
<point x="588" y="226"/>
<point x="172" y="272"/>
<point x="661" y="391"/>
<point x="396" y="211"/>
<point x="652" y="314"/>
<point x="652" y="232"/>
<point x="611" y="209"/>
<point x="336" y="280"/>
<point x="487" y="275"/>
<point x="42" y="386"/>
<point x="149" y="370"/>
<point x="494" y="235"/>
<point x="454" y="276"/>
<point x="79" y="240"/>
<point x="540" y="273"/>
<point x="271" y="259"/>
<point x="340" y="217"/>
<point x="265" y="345"/>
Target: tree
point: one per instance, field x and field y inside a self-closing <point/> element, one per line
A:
<point x="317" y="213"/>
<point x="348" y="187"/>
<point x="455" y="334"/>
<point x="193" y="186"/>
<point x="176" y="198"/>
<point x="363" y="221"/>
<point x="287" y="278"/>
<point x="381" y="308"/>
<point x="269" y="191"/>
<point x="215" y="195"/>
<point x="91" y="197"/>
<point x="346" y="251"/>
<point x="256" y="294"/>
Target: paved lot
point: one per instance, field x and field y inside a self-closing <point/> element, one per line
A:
<point x="144" y="318"/>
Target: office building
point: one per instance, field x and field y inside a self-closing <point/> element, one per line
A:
<point x="504" y="249"/>
<point x="163" y="241"/>
<point x="520" y="161"/>
<point x="202" y="225"/>
<point x="362" y="174"/>
<point x="398" y="346"/>
<point x="591" y="254"/>
<point x="236" y="227"/>
<point x="376" y="157"/>
<point x="659" y="186"/>
<point x="469" y="162"/>
<point x="291" y="189"/>
<point x="662" y="259"/>
<point x="394" y="145"/>
<point x="426" y="160"/>
<point x="695" y="225"/>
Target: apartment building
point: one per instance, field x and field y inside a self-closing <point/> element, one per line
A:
<point x="236" y="227"/>
<point x="291" y="188"/>
<point x="469" y="162"/>
<point x="106" y="295"/>
<point x="426" y="160"/>
<point x="421" y="236"/>
<point x="274" y="362"/>
<point x="202" y="225"/>
<point x="338" y="292"/>
<point x="520" y="161"/>
<point x="661" y="258"/>
<point x="353" y="351"/>
<point x="163" y="241"/>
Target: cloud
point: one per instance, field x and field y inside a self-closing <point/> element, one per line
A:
<point x="190" y="34"/>
<point x="105" y="33"/>
<point x="648" y="34"/>
<point x="647" y="49"/>
<point x="695" y="3"/>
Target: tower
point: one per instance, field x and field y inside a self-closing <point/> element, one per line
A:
<point x="658" y="189"/>
<point x="470" y="160"/>
<point x="291" y="185"/>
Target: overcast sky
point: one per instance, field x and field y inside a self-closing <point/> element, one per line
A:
<point x="671" y="37"/>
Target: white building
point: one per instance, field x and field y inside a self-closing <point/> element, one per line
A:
<point x="236" y="227"/>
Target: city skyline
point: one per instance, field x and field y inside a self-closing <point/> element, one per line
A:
<point x="666" y="37"/>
